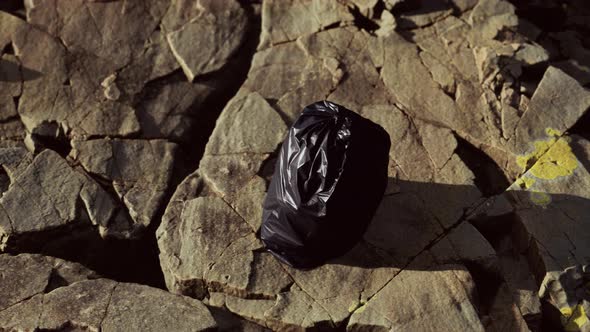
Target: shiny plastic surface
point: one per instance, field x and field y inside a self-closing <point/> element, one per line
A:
<point x="328" y="181"/>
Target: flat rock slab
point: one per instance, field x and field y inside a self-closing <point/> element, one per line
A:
<point x="27" y="275"/>
<point x="60" y="195"/>
<point x="284" y="21"/>
<point x="405" y="303"/>
<point x="207" y="41"/>
<point x="60" y="295"/>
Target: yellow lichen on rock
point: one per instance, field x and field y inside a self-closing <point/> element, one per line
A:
<point x="525" y="182"/>
<point x="574" y="318"/>
<point x="353" y="306"/>
<point x="551" y="158"/>
<point x="553" y="132"/>
<point x="558" y="161"/>
<point x="540" y="198"/>
<point x="541" y="147"/>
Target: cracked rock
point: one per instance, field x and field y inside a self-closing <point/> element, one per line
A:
<point x="61" y="197"/>
<point x="549" y="200"/>
<point x="450" y="287"/>
<point x="244" y="121"/>
<point x="106" y="105"/>
<point x="568" y="291"/>
<point x="108" y="81"/>
<point x="138" y="170"/>
<point x="549" y="203"/>
<point x="284" y="21"/>
<point x="26" y="275"/>
<point x="41" y="292"/>
<point x="430" y="189"/>
<point x="219" y="28"/>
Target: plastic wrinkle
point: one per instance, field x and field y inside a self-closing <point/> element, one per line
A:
<point x="328" y="181"/>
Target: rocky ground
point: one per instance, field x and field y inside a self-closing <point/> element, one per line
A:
<point x="137" y="140"/>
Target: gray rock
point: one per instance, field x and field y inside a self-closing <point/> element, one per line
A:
<point x="550" y="199"/>
<point x="126" y="48"/>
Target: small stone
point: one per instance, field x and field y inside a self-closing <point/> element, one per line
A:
<point x="111" y="91"/>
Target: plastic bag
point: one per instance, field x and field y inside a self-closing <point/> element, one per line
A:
<point x="329" y="179"/>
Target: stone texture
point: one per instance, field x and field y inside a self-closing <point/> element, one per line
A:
<point x="104" y="304"/>
<point x="284" y="21"/>
<point x="107" y="82"/>
<point x="136" y="307"/>
<point x="26" y="275"/>
<point x="75" y="200"/>
<point x="244" y="120"/>
<point x="41" y="292"/>
<point x="420" y="218"/>
<point x="451" y="288"/>
<point x="427" y="13"/>
<point x="139" y="171"/>
<point x="106" y="105"/>
<point x="550" y="199"/>
<point x="568" y="291"/>
<point x="550" y="228"/>
<point x="560" y="99"/>
<point x="219" y="27"/>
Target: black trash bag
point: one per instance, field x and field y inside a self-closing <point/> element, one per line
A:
<point x="329" y="179"/>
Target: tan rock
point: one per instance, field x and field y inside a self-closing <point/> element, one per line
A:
<point x="429" y="11"/>
<point x="219" y="28"/>
<point x="463" y="243"/>
<point x="11" y="78"/>
<point x="447" y="301"/>
<point x="140" y="171"/>
<point x="240" y="126"/>
<point x="556" y="105"/>
<point x="404" y="71"/>
<point x="136" y="307"/>
<point x="106" y="304"/>
<point x="490" y="16"/>
<point x="566" y="290"/>
<point x="169" y="109"/>
<point x="61" y="197"/>
<point x="549" y="199"/>
<point x="229" y="174"/>
<point x="531" y="54"/>
<point x="113" y="36"/>
<point x="202" y="252"/>
<point x="26" y="275"/>
<point x="284" y="21"/>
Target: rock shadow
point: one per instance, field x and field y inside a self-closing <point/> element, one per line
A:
<point x="13" y="72"/>
<point x="414" y="217"/>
